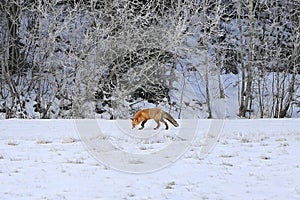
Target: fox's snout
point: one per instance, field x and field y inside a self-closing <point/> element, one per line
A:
<point x="134" y="122"/>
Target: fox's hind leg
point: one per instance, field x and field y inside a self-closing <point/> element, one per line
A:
<point x="163" y="121"/>
<point x="158" y="124"/>
<point x="142" y="124"/>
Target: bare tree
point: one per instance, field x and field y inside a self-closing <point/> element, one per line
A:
<point x="78" y="58"/>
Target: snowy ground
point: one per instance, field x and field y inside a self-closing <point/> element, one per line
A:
<point x="254" y="159"/>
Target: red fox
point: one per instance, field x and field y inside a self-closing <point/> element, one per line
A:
<point x="152" y="113"/>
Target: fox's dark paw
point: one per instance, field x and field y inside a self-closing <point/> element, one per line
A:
<point x="141" y="128"/>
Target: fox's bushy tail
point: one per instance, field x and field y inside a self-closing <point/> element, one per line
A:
<point x="171" y="119"/>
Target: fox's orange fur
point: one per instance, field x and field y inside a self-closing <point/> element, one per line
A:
<point x="157" y="114"/>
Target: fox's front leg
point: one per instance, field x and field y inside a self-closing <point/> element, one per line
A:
<point x="142" y="124"/>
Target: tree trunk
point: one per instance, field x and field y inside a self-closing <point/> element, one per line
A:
<point x="13" y="39"/>
<point x="242" y="108"/>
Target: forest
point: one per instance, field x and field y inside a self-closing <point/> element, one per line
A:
<point x="79" y="58"/>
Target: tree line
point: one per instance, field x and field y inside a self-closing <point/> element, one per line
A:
<point x="63" y="58"/>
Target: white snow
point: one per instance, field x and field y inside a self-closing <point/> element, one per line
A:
<point x="253" y="159"/>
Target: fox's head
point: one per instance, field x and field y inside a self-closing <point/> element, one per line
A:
<point x="134" y="122"/>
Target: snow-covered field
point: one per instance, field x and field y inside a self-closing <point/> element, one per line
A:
<point x="253" y="159"/>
